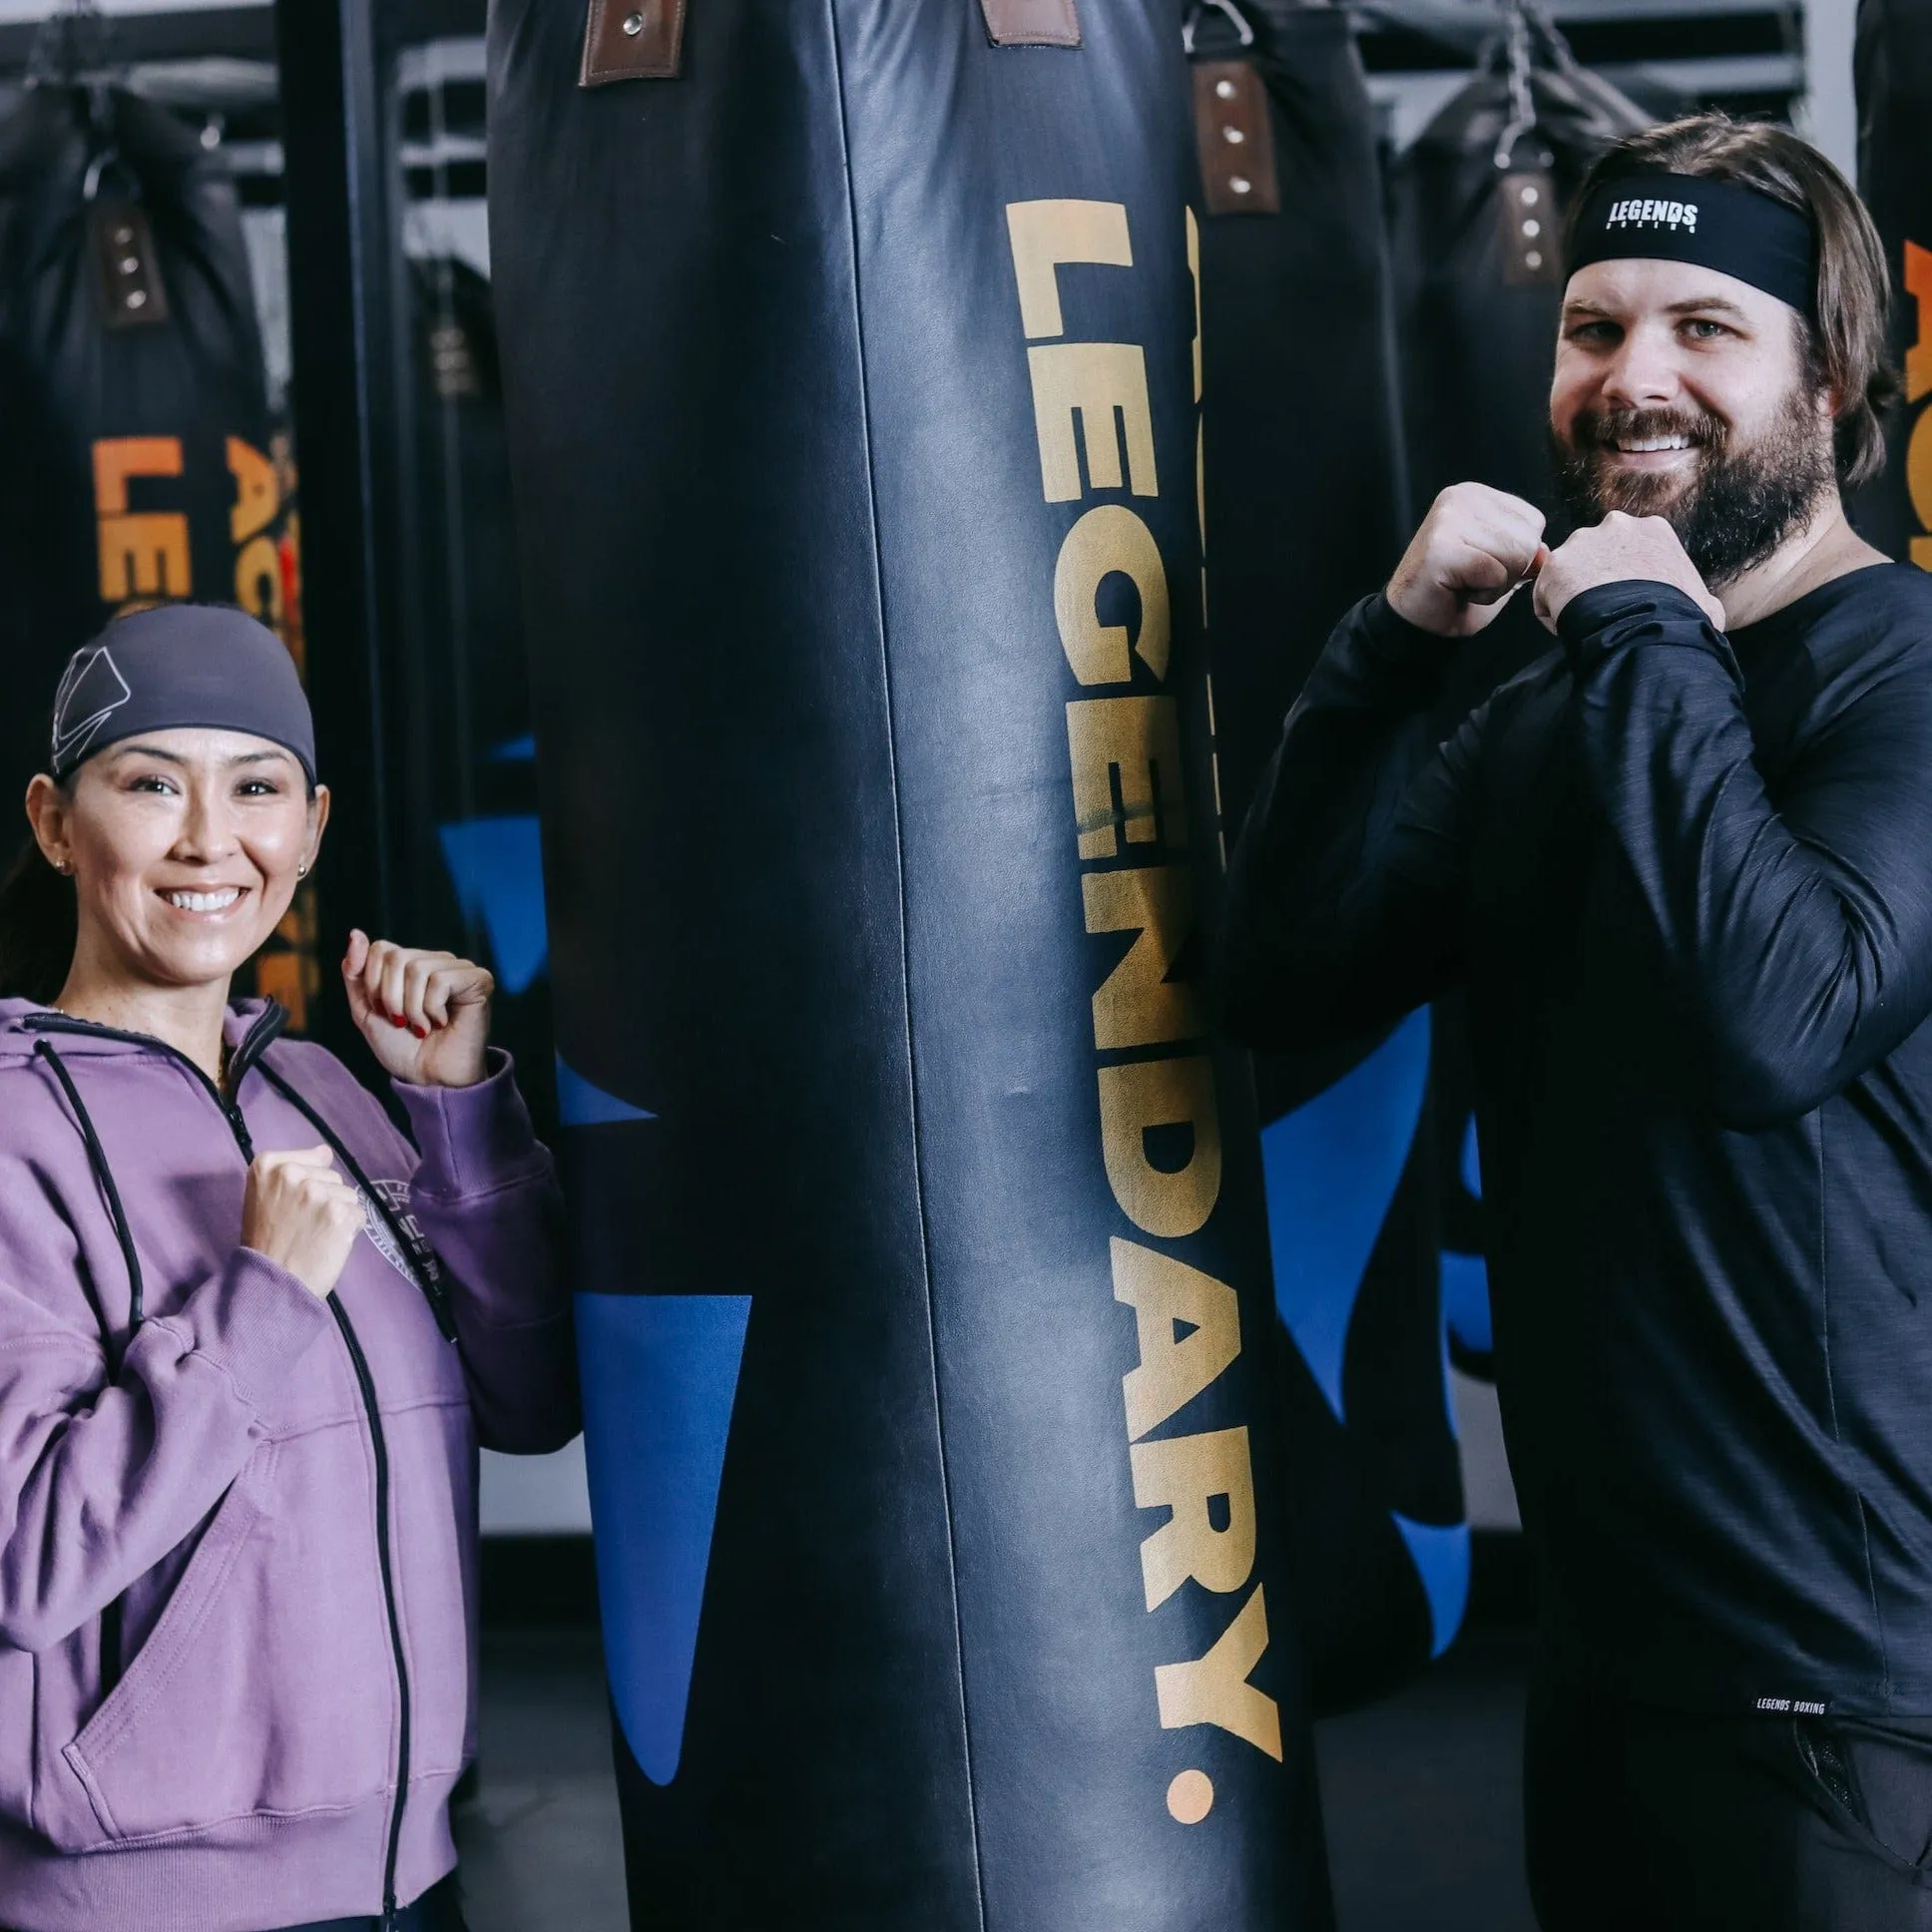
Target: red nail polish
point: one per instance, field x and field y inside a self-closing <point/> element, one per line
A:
<point x="421" y="1033"/>
<point x="397" y="1023"/>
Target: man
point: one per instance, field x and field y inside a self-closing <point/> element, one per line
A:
<point x="1684" y="865"/>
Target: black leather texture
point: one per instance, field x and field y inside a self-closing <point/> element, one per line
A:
<point x="788" y="367"/>
<point x="84" y="382"/>
<point x="1307" y="512"/>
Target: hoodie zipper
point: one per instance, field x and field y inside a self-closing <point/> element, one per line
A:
<point x="258" y="1038"/>
<point x="253" y="1043"/>
<point x="366" y="1382"/>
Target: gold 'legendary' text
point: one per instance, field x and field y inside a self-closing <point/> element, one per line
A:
<point x="1159" y="1118"/>
<point x="1918" y="384"/>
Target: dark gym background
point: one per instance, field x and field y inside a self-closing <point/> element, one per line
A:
<point x="355" y="128"/>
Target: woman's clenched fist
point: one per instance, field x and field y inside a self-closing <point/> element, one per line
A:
<point x="301" y="1214"/>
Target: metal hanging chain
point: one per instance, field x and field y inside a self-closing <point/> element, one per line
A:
<point x="1551" y="36"/>
<point x="72" y="44"/>
<point x="1226" y="7"/>
<point x="1522" y="119"/>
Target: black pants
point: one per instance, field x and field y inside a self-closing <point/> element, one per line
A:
<point x="436" y="1911"/>
<point x="1642" y="1821"/>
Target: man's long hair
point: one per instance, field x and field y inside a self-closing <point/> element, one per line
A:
<point x="1845" y="341"/>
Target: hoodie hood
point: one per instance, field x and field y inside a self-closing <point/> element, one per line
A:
<point x="23" y="1023"/>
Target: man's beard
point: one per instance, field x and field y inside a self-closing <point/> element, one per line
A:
<point x="1738" y="504"/>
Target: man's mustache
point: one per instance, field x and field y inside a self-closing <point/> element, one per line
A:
<point x="1604" y="429"/>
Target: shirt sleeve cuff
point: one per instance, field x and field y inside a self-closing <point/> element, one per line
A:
<point x="473" y="1140"/>
<point x="255" y="1320"/>
<point x="1597" y="621"/>
<point x="1400" y="644"/>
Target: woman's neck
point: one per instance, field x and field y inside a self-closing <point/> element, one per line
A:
<point x="186" y="1018"/>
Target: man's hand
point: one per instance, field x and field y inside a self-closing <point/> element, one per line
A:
<point x="1475" y="547"/>
<point x="1621" y="550"/>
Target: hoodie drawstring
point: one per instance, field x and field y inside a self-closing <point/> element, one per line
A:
<point x="111" y="1616"/>
<point x="98" y="1160"/>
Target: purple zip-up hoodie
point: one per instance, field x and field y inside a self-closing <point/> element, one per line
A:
<point x="237" y="1541"/>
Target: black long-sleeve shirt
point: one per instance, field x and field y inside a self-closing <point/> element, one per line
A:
<point x="1686" y="880"/>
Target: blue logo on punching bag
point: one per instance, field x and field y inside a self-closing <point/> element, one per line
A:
<point x="1332" y="1168"/>
<point x="659" y="1373"/>
<point x="496" y="866"/>
<point x="1465" y="1278"/>
<point x="660" y="1376"/>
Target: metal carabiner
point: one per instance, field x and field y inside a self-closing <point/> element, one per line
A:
<point x="1226" y="7"/>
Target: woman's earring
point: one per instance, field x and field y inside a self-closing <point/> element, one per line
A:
<point x="65" y="867"/>
<point x="301" y="871"/>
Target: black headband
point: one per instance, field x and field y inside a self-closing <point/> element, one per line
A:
<point x="1715" y="223"/>
<point x="179" y="664"/>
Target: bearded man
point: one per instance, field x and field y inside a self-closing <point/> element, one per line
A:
<point x="1683" y="867"/>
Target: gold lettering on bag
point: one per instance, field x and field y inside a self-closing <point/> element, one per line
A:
<point x="257" y="492"/>
<point x="1165" y="1296"/>
<point x="1111" y="540"/>
<point x="1186" y="1475"/>
<point x="1134" y="743"/>
<point x="1918" y="382"/>
<point x="1105" y="386"/>
<point x="1137" y="1004"/>
<point x="142" y="554"/>
<point x="1160" y="1123"/>
<point x="1043" y="235"/>
<point x="1215" y="1690"/>
<point x="1136" y="1099"/>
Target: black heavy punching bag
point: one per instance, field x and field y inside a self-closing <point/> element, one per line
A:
<point x="133" y="411"/>
<point x="1478" y="202"/>
<point x="1306" y="512"/>
<point x="471" y="767"/>
<point x="923" y="1284"/>
<point x="1894" y="67"/>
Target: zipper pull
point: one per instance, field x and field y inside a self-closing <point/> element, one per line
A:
<point x="391" y="1920"/>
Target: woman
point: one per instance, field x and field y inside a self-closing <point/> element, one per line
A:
<point x="250" y="1338"/>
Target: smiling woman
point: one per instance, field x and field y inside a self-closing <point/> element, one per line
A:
<point x="180" y="793"/>
<point x="215" y="1251"/>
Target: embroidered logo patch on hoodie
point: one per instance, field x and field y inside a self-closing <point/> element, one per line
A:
<point x="397" y="1194"/>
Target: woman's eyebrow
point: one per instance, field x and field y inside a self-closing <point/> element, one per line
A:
<point x="146" y="751"/>
<point x="275" y="756"/>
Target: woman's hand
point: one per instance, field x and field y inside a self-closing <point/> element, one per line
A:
<point x="302" y="1216"/>
<point x="427" y="1016"/>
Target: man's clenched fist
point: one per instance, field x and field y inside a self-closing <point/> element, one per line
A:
<point x="1475" y="545"/>
<point x="1621" y="550"/>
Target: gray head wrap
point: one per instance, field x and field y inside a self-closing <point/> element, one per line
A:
<point x="176" y="665"/>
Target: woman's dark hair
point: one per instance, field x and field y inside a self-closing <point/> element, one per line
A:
<point x="39" y="923"/>
<point x="1845" y="341"/>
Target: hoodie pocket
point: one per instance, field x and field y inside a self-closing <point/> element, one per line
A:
<point x="251" y="1695"/>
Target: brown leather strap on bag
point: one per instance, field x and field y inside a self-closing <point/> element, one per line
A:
<point x="1031" y="23"/>
<point x="643" y="40"/>
<point x="631" y="40"/>
<point x="1236" y="140"/>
